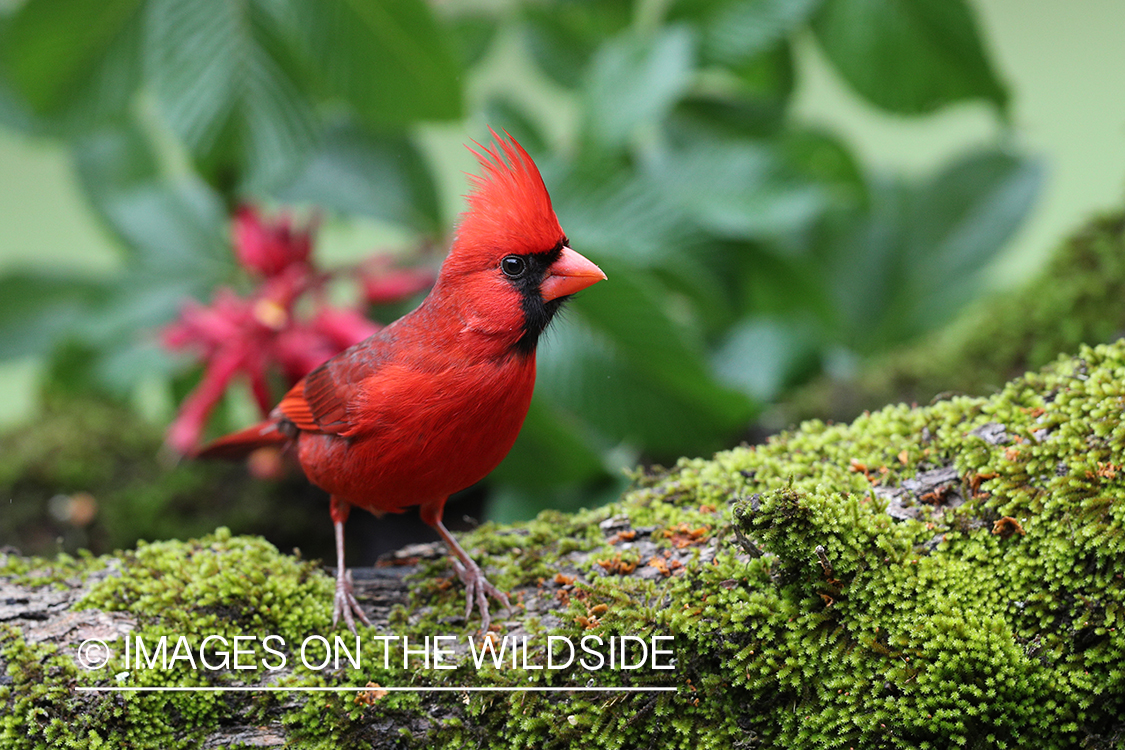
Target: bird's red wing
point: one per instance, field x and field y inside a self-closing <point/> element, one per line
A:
<point x="327" y="400"/>
<point x="324" y="399"/>
<point x="296" y="409"/>
<point x="317" y="403"/>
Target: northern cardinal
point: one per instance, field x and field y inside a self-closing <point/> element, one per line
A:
<point x="431" y="404"/>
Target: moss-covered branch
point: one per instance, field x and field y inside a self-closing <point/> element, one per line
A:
<point x="929" y="577"/>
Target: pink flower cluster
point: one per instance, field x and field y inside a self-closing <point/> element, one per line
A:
<point x="285" y="325"/>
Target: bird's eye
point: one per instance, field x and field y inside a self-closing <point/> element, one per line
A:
<point x="513" y="266"/>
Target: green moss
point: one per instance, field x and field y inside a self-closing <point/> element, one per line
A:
<point x="59" y="571"/>
<point x="224" y="581"/>
<point x="218" y="585"/>
<point x="818" y="593"/>
<point x="43" y="711"/>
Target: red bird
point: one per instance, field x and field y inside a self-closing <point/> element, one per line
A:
<point x="433" y="402"/>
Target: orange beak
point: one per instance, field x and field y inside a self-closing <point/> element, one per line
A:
<point x="569" y="274"/>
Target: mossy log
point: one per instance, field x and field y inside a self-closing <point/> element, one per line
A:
<point x="952" y="575"/>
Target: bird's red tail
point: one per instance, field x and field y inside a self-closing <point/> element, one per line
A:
<point x="241" y="444"/>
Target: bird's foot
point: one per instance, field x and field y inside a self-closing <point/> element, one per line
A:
<point x="345" y="604"/>
<point x="477" y="591"/>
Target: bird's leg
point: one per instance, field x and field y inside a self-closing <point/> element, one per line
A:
<point x="345" y="602"/>
<point x="477" y="587"/>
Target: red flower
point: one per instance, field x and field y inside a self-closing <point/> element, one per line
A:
<point x="342" y="327"/>
<point x="383" y="283"/>
<point x="302" y="347"/>
<point x="236" y="336"/>
<point x="268" y="248"/>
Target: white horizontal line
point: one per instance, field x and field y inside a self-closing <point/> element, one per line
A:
<point x="392" y="689"/>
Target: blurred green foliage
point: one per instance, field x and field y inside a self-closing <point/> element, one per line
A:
<point x="746" y="252"/>
<point x="1078" y="298"/>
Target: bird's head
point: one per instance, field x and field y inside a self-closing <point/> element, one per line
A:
<point x="511" y="267"/>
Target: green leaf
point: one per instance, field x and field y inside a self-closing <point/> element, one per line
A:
<point x="956" y="225"/>
<point x="861" y="255"/>
<point x="37" y="309"/>
<point x="504" y="115"/>
<point x="179" y="230"/>
<point x="704" y="280"/>
<point x="15" y="112"/>
<point x="111" y="162"/>
<point x="769" y="77"/>
<point x="671" y="408"/>
<point x="178" y="233"/>
<point x="634" y="318"/>
<point x="738" y="189"/>
<point x="619" y="213"/>
<point x="390" y="60"/>
<point x="115" y="159"/>
<point x="733" y="32"/>
<point x="562" y="35"/>
<point x="611" y="211"/>
<point x="176" y="230"/>
<point x="221" y="73"/>
<point x="786" y="286"/>
<point x="749" y="102"/>
<point x="622" y="365"/>
<point x="760" y="357"/>
<point x="908" y="56"/>
<point x="122" y="363"/>
<point x="914" y="259"/>
<point x="107" y="368"/>
<point x="76" y="62"/>
<point x="356" y="172"/>
<point x="824" y="158"/>
<point x="635" y="80"/>
<point x="720" y="116"/>
<point x="551" y="450"/>
<point x="473" y="35"/>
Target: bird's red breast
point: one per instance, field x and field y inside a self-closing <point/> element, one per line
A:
<point x="422" y="435"/>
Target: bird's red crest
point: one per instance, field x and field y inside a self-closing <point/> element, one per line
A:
<point x="509" y="207"/>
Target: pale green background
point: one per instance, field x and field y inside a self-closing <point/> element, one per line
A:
<point x="1064" y="62"/>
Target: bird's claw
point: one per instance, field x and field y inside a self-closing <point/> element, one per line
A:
<point x="346" y="604"/>
<point x="477" y="591"/>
